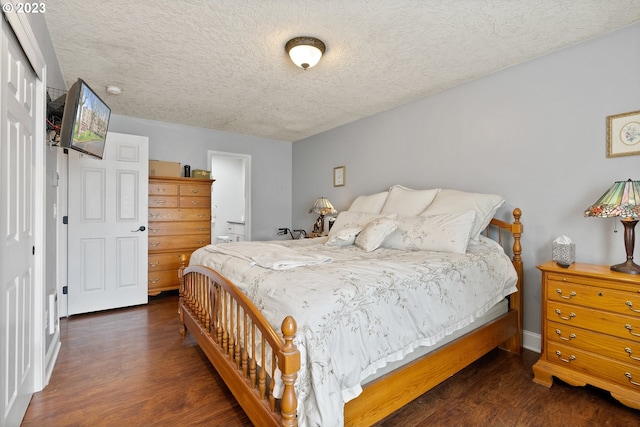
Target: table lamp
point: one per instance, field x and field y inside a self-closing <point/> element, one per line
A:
<point x="621" y="200"/>
<point x="322" y="206"/>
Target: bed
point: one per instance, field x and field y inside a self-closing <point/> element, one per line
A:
<point x="346" y="329"/>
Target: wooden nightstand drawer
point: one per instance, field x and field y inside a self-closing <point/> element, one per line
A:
<point x="606" y="345"/>
<point x="619" y="373"/>
<point x="569" y="290"/>
<point x="595" y="320"/>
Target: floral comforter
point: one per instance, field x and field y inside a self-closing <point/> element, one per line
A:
<point x="360" y="310"/>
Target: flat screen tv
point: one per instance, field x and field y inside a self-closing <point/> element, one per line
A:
<point x="85" y="121"/>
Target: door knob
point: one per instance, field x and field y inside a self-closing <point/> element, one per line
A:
<point x="141" y="228"/>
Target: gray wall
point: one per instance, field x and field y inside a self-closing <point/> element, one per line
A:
<point x="534" y="133"/>
<point x="270" y="163"/>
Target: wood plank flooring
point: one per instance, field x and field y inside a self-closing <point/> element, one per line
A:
<point x="129" y="367"/>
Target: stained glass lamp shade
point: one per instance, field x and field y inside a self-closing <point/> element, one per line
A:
<point x="621" y="200"/>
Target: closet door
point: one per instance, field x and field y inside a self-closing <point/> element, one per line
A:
<point x="17" y="224"/>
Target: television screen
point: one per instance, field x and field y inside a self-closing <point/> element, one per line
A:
<point x="85" y="121"/>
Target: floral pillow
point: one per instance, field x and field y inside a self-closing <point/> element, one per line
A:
<point x="344" y="237"/>
<point x="374" y="233"/>
<point x="443" y="233"/>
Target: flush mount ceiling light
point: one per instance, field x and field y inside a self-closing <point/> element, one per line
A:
<point x="114" y="90"/>
<point x="305" y="52"/>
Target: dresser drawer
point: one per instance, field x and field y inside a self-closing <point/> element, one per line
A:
<point x="195" y="202"/>
<point x="163" y="280"/>
<point x="605" y="345"/>
<point x="568" y="290"/>
<point x="163" y="201"/>
<point x="158" y="214"/>
<point x="622" y="326"/>
<point x="159" y="228"/>
<point x="619" y="373"/>
<point x="195" y="190"/>
<point x="166" y="261"/>
<point x="163" y="188"/>
<point x="167" y="243"/>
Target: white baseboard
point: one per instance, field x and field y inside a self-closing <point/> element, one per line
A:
<point x="532" y="341"/>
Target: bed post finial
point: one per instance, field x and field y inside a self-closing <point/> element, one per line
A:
<point x="289" y="364"/>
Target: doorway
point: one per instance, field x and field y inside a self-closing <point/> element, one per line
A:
<point x="230" y="195"/>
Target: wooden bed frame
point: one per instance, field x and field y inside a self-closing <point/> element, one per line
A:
<point x="222" y="319"/>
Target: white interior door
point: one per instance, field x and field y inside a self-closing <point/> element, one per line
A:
<point x="107" y="237"/>
<point x="17" y="244"/>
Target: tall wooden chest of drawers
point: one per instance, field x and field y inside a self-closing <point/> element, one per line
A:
<point x="591" y="329"/>
<point x="179" y="223"/>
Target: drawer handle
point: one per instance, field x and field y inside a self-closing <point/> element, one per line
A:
<point x="628" y="375"/>
<point x="628" y="350"/>
<point x="154" y="281"/>
<point x="569" y="360"/>
<point x="201" y="215"/>
<point x="571" y="336"/>
<point x="559" y="313"/>
<point x="159" y="190"/>
<point x="154" y="244"/>
<point x="201" y="242"/>
<point x="201" y="228"/>
<point x="559" y="292"/>
<point x="154" y="230"/>
<point x="630" y="305"/>
<point x="195" y="202"/>
<point x="154" y="264"/>
<point x="152" y="215"/>
<point x="630" y="329"/>
<point x="195" y="190"/>
<point x="161" y="202"/>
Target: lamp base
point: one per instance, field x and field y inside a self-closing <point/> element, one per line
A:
<point x="628" y="267"/>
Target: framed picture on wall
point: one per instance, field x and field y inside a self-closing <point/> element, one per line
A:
<point x="623" y="134"/>
<point x="338" y="176"/>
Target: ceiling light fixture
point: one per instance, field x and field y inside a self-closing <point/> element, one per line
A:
<point x="305" y="52"/>
<point x="114" y="90"/>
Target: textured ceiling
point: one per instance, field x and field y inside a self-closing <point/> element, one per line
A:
<point x="221" y="64"/>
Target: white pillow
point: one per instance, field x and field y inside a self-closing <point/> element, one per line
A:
<point x="344" y="237"/>
<point x="442" y="233"/>
<point x="348" y="219"/>
<point x="407" y="202"/>
<point x="374" y="233"/>
<point x="485" y="206"/>
<point x="371" y="204"/>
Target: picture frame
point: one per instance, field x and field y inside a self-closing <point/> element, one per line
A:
<point x="339" y="176"/>
<point x="623" y="134"/>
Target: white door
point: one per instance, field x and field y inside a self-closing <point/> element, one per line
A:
<point x="17" y="239"/>
<point x="107" y="237"/>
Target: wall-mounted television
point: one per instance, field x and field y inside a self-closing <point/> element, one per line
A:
<point x="85" y="121"/>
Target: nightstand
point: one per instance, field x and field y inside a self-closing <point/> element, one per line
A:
<point x="591" y="329"/>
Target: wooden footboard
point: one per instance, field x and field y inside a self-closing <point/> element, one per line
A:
<point x="241" y="345"/>
<point x="245" y="349"/>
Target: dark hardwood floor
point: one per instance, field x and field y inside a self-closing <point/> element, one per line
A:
<point x="130" y="367"/>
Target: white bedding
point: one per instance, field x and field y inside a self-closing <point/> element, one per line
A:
<point x="369" y="309"/>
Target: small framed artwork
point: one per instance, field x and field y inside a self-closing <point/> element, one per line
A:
<point x="338" y="176"/>
<point x="623" y="134"/>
